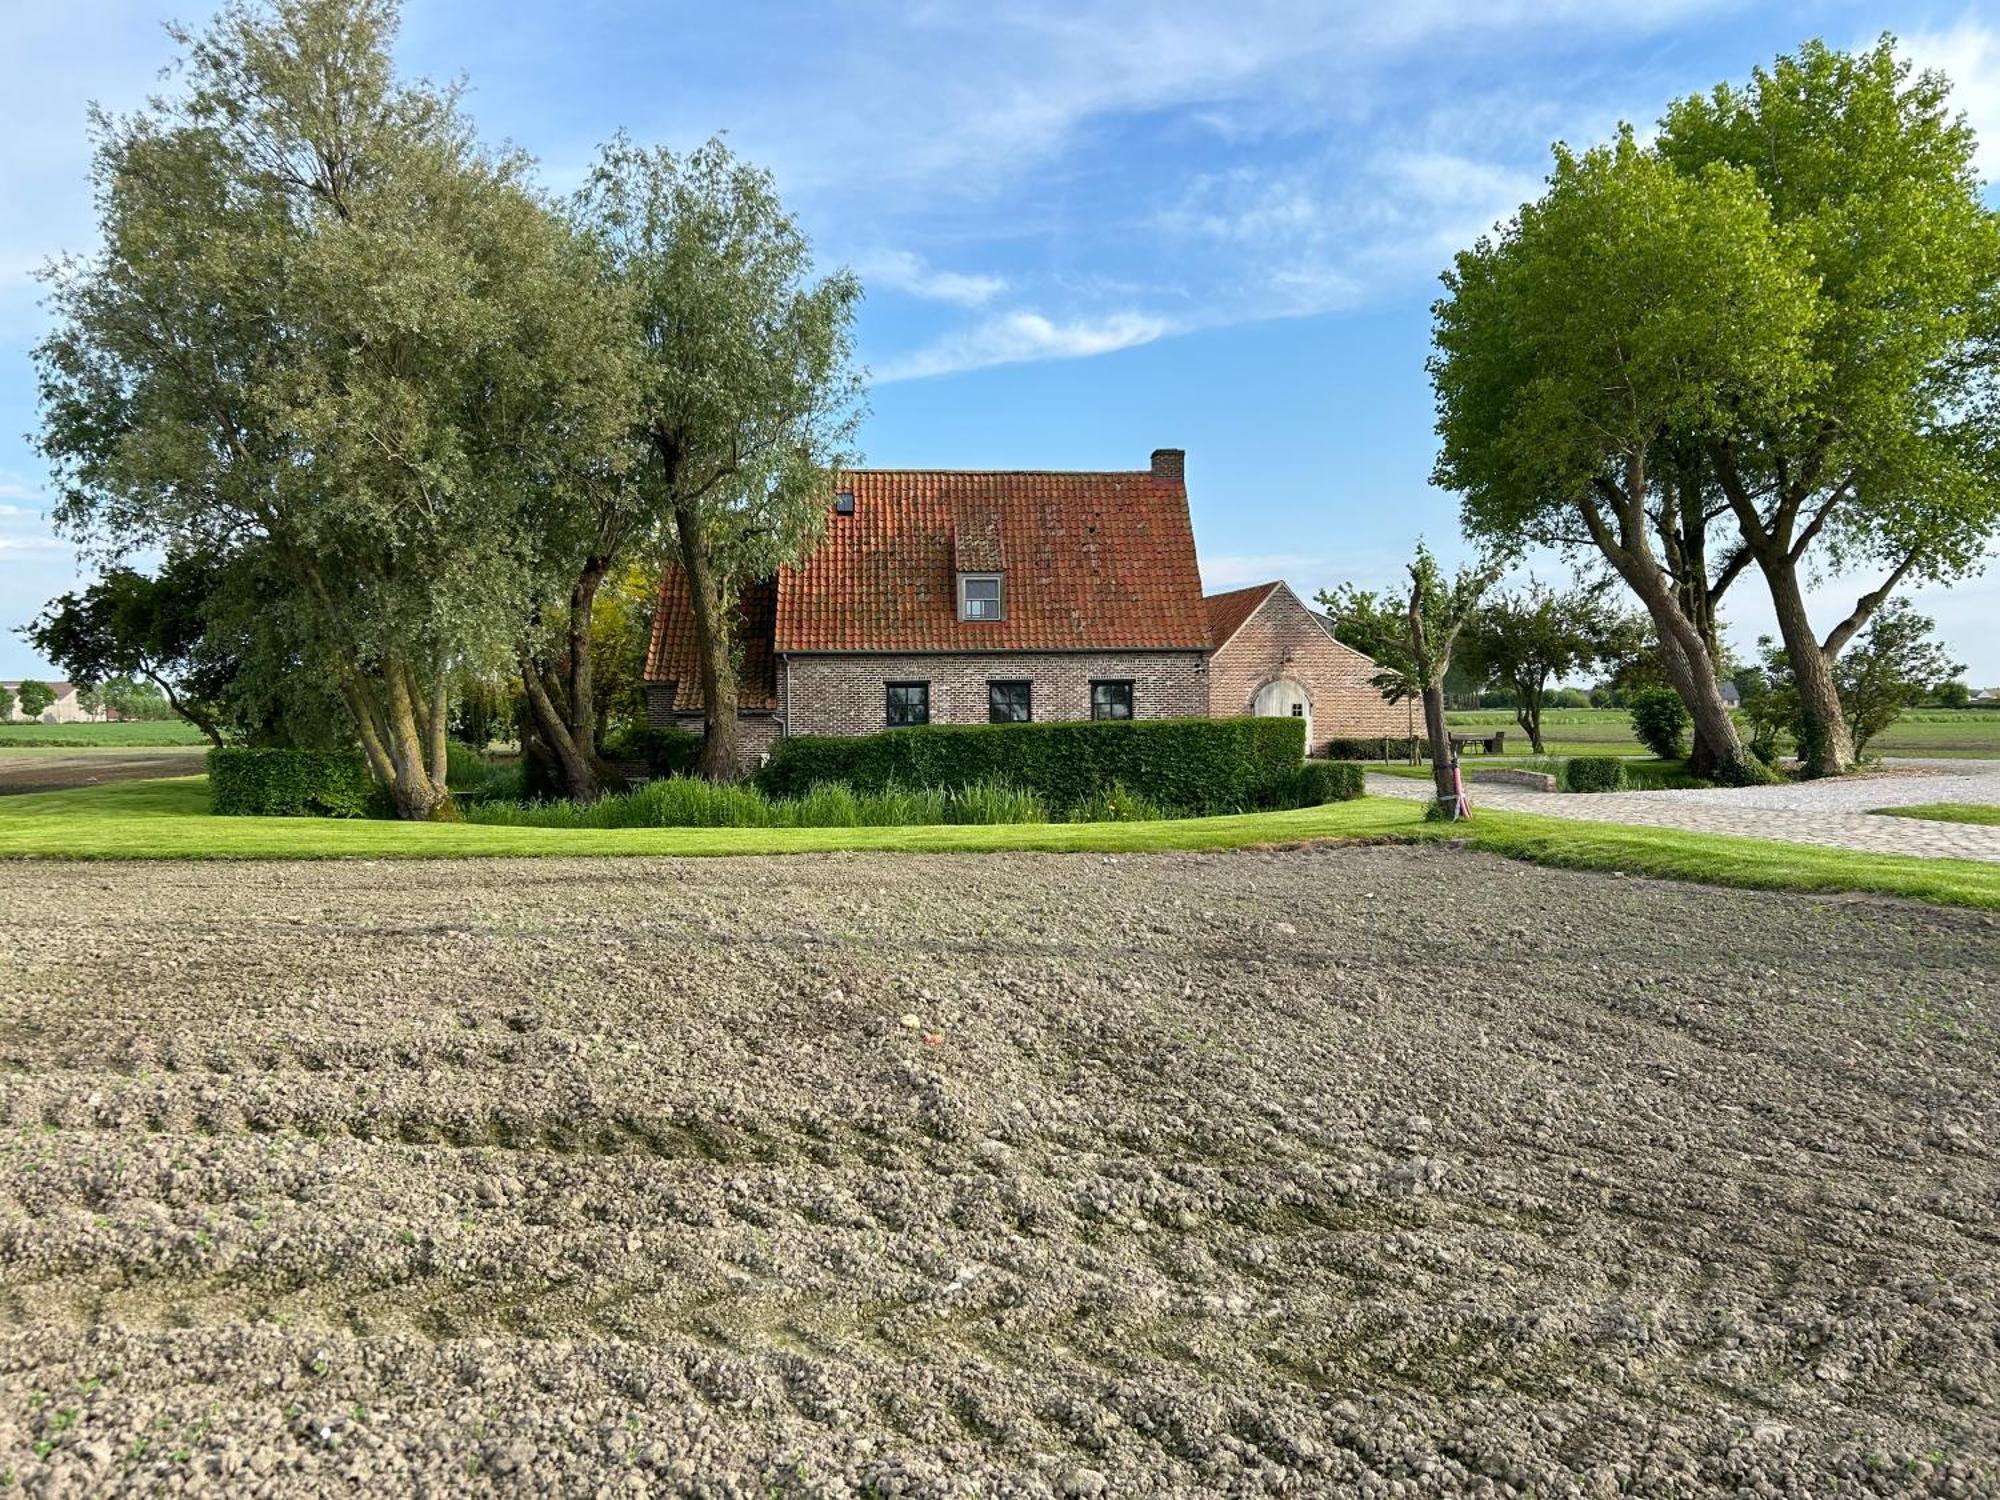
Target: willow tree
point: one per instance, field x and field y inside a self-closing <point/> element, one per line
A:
<point x="1886" y="462"/>
<point x="323" y="319"/>
<point x="747" y="396"/>
<point x="1630" y="304"/>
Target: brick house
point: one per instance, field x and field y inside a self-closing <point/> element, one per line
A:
<point x="957" y="597"/>
<point x="1272" y="655"/>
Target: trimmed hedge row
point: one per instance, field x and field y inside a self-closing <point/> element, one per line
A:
<point x="1593" y="773"/>
<point x="663" y="751"/>
<point x="1187" y="766"/>
<point x="290" y="784"/>
<point x="1389" y="748"/>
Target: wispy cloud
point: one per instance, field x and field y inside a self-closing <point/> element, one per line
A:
<point x="1011" y="338"/>
<point x="903" y="271"/>
<point x="1969" y="54"/>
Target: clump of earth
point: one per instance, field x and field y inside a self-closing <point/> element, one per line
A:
<point x="1368" y="1171"/>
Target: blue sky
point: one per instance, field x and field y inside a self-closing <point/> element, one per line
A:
<point x="1086" y="229"/>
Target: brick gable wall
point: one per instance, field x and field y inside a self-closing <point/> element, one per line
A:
<point x="1282" y="639"/>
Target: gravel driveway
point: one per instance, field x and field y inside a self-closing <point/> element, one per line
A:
<point x="1380" y="1171"/>
<point x="1832" y="812"/>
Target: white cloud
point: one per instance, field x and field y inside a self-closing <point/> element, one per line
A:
<point x="1969" y="55"/>
<point x="1011" y="338"/>
<point x="903" y="271"/>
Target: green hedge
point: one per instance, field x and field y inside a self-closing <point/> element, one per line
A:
<point x="1393" y="747"/>
<point x="1593" y="773"/>
<point x="1318" y="782"/>
<point x="1186" y="766"/>
<point x="290" y="784"/>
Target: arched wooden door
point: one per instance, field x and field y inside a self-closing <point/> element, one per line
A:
<point x="1285" y="698"/>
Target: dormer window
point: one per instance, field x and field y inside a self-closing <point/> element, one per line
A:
<point x="981" y="597"/>
<point x="843" y="503"/>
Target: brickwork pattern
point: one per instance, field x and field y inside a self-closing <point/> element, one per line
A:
<point x="848" y="694"/>
<point x="1282" y="639"/>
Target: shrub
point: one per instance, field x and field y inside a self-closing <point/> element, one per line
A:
<point x="291" y="784"/>
<point x="1593" y="773"/>
<point x="1189" y="766"/>
<point x="1393" y="747"/>
<point x="1114" y="804"/>
<point x="662" y="751"/>
<point x="685" y="802"/>
<point x="1660" y="722"/>
<point x="465" y="769"/>
<point x="1317" y="782"/>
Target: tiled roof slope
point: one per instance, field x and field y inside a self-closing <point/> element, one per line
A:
<point x="1227" y="612"/>
<point x="1093" y="561"/>
<point x="672" y="656"/>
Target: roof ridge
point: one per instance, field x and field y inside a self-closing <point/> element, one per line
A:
<point x="1080" y="473"/>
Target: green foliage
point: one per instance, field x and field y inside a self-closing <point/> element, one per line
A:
<point x="34" y="698"/>
<point x="662" y="751"/>
<point x="1386" y="749"/>
<point x="1317" y="782"/>
<point x="1115" y="804"/>
<point x="1188" y="766"/>
<point x="688" y="802"/>
<point x="1660" y="722"/>
<point x="1953" y="694"/>
<point x="6" y="703"/>
<point x="1594" y="773"/>
<point x="1530" y="637"/>
<point x="290" y="784"/>
<point x="1373" y="624"/>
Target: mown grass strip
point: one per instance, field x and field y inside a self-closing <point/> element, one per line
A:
<point x="1945" y="812"/>
<point x="169" y="820"/>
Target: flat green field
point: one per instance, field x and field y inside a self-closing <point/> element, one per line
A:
<point x="90" y="736"/>
<point x="1947" y="732"/>
<point x="170" y="820"/>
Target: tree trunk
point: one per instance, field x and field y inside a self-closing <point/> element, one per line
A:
<point x="1443" y="778"/>
<point x="1684" y="655"/>
<point x="582" y="664"/>
<point x="1528" y="697"/>
<point x="1826" y="748"/>
<point x="578" y="770"/>
<point x="712" y="649"/>
<point x="418" y="798"/>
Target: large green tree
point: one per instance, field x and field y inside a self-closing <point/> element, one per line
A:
<point x="1883" y="460"/>
<point x="1630" y="303"/>
<point x="748" y="398"/>
<point x="34" y="698"/>
<point x="324" y="319"/>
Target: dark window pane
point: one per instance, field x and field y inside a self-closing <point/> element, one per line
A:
<point x="1111" y="700"/>
<point x="980" y="598"/>
<point x="1010" y="702"/>
<point x="909" y="703"/>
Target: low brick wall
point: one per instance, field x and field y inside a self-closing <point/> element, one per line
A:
<point x="1534" y="781"/>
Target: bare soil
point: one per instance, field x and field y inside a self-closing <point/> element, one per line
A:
<point x="66" y="770"/>
<point x="1374" y="1171"/>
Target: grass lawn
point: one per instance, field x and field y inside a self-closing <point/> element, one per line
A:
<point x="170" y="820"/>
<point x="1948" y="732"/>
<point x="1946" y="812"/>
<point x="92" y="736"/>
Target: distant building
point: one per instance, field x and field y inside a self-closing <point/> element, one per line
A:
<point x="1730" y="696"/>
<point x="65" y="710"/>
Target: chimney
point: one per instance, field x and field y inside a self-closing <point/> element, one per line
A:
<point x="1170" y="465"/>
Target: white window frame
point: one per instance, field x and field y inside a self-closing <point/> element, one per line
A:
<point x="999" y="600"/>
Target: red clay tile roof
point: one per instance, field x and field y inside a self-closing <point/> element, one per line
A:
<point x="1092" y="561"/>
<point x="1227" y="612"/>
<point x="672" y="656"/>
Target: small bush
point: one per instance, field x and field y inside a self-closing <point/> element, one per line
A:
<point x="1190" y="766"/>
<point x="465" y="769"/>
<point x="1660" y="722"/>
<point x="1593" y="773"/>
<point x="1317" y="782"/>
<point x="1114" y="804"/>
<point x="290" y="784"/>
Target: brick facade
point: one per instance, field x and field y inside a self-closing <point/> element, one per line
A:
<point x="848" y="694"/>
<point x="1282" y="640"/>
